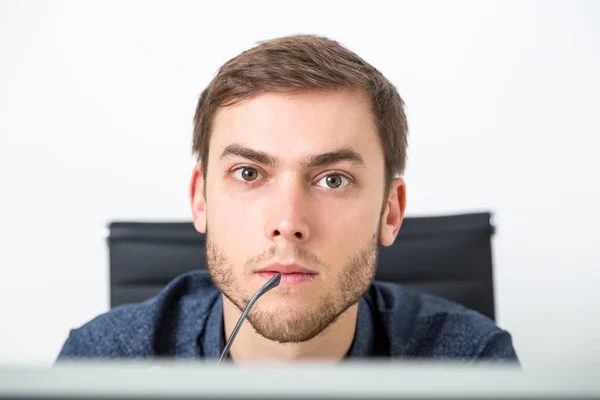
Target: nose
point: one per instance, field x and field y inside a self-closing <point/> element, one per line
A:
<point x="288" y="216"/>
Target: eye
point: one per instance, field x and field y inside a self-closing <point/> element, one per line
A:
<point x="246" y="174"/>
<point x="334" y="181"/>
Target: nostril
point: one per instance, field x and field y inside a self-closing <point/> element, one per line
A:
<point x="277" y="233"/>
<point x="298" y="235"/>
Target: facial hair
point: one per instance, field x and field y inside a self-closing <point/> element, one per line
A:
<point x="295" y="324"/>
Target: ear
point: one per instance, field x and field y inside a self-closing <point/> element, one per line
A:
<point x="393" y="213"/>
<point x="197" y="198"/>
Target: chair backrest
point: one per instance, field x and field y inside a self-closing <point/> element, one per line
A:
<point x="448" y="256"/>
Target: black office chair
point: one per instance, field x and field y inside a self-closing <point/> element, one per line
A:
<point x="448" y="256"/>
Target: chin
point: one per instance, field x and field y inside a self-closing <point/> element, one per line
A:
<point x="288" y="325"/>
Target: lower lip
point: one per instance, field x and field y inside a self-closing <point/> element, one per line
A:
<point x="289" y="279"/>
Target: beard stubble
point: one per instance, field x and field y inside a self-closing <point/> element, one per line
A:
<point x="297" y="325"/>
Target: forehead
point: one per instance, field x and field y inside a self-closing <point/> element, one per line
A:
<point x="292" y="126"/>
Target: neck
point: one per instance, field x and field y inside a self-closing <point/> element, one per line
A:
<point x="331" y="344"/>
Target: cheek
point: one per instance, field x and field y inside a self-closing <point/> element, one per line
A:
<point x="234" y="225"/>
<point x="345" y="226"/>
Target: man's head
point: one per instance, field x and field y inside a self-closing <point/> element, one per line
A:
<point x="300" y="144"/>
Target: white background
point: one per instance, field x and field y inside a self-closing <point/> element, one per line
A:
<point x="96" y="107"/>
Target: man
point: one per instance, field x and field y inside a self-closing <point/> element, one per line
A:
<point x="301" y="146"/>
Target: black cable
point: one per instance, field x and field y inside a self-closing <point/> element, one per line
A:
<point x="273" y="282"/>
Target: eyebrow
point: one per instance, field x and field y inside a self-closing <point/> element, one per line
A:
<point x="331" y="157"/>
<point x="237" y="150"/>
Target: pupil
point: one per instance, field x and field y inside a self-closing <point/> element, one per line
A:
<point x="249" y="174"/>
<point x="333" y="181"/>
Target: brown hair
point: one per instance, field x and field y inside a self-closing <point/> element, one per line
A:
<point x="304" y="63"/>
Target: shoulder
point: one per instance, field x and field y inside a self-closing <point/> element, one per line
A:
<point x="426" y="326"/>
<point x="133" y="330"/>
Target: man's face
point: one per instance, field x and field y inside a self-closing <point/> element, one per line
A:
<point x="295" y="184"/>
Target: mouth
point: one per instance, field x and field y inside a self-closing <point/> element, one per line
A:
<point x="291" y="274"/>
